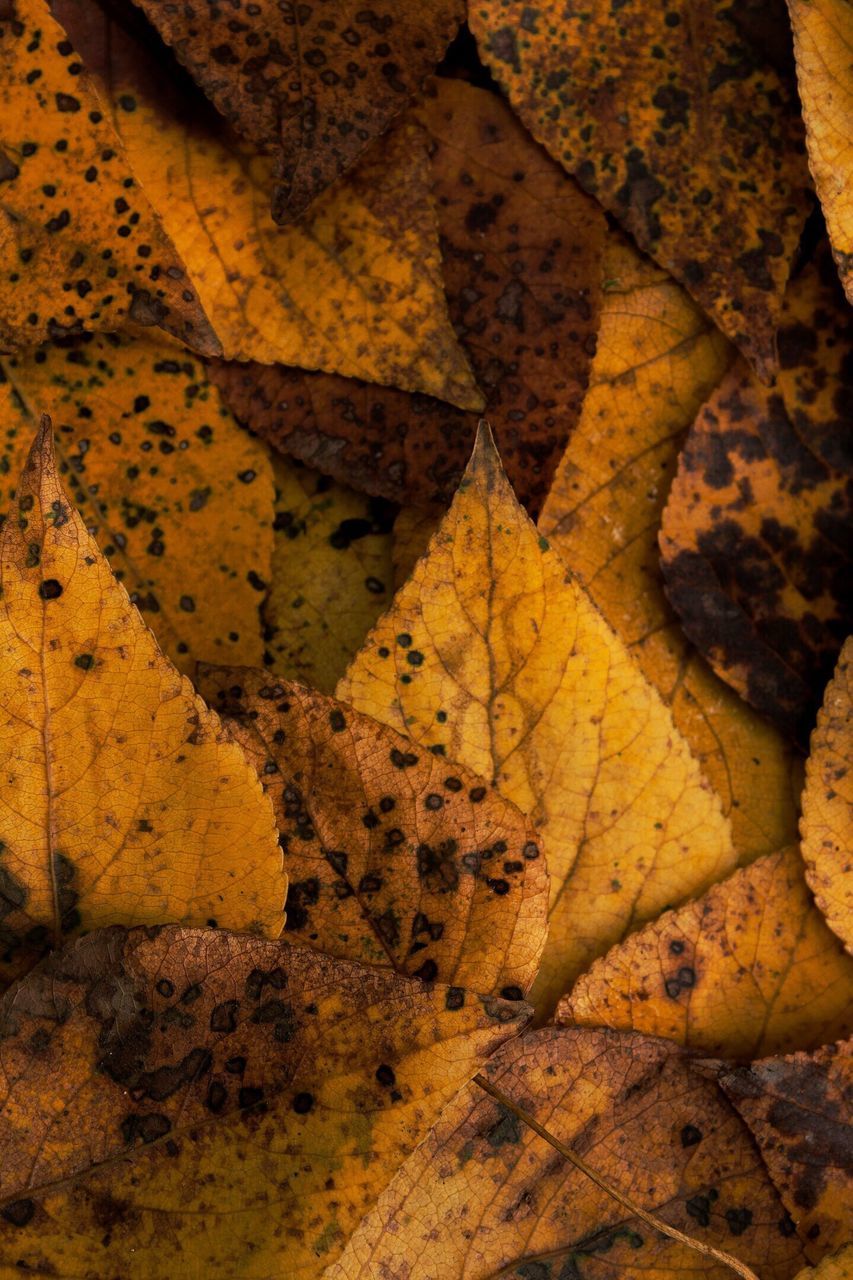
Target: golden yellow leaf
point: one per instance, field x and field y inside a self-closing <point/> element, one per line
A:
<point x="121" y="798"/>
<point x="747" y="970"/>
<point x="828" y="804"/>
<point x="656" y="362"/>
<point x="839" y="1266"/>
<point x="487" y="1197"/>
<point x="179" y="497"/>
<point x="493" y="655"/>
<point x="331" y="574"/>
<point x="823" y="48"/>
<point x="394" y="857"/>
<point x="80" y="246"/>
<point x="207" y="1104"/>
<point x="355" y="288"/>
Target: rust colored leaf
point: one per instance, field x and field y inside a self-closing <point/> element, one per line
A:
<point x="395" y="857"/>
<point x="521" y="248"/>
<point x="828" y="804"/>
<point x="122" y="799"/>
<point x="757" y="531"/>
<point x="80" y="246"/>
<point x="749" y="969"/>
<point x="313" y="83"/>
<point x="673" y="121"/>
<point x="799" y="1111"/>
<point x="243" y="1100"/>
<point x="489" y="1197"/>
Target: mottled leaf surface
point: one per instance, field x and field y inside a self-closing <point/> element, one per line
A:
<point x="121" y="799"/>
<point x="242" y="1100"/>
<point x="485" y="1196"/>
<point x="395" y="857"/>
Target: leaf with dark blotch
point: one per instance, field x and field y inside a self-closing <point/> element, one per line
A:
<point x="244" y="1100"/>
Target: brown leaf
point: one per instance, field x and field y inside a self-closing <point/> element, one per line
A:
<point x="395" y="857"/>
<point x="521" y="262"/>
<point x="799" y="1111"/>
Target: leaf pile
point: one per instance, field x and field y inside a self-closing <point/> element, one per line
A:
<point x="426" y="844"/>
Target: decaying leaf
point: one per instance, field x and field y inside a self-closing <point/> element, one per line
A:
<point x="837" y="1267"/>
<point x="314" y="83"/>
<point x="823" y="47"/>
<point x="756" y="534"/>
<point x="395" y="857"/>
<point x="657" y="360"/>
<point x="749" y="969"/>
<point x="799" y="1111"/>
<point x="674" y="122"/>
<point x="331" y="575"/>
<point x="80" y="246"/>
<point x="521" y="251"/>
<point x="178" y="497"/>
<point x="828" y="804"/>
<point x="493" y="655"/>
<point x="484" y="1196"/>
<point x="242" y="1100"/>
<point x="355" y="288"/>
<point x="121" y="799"/>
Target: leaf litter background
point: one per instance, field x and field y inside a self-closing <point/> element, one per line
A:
<point x="396" y="812"/>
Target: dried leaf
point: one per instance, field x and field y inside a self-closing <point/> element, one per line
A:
<point x="522" y="246"/>
<point x="80" y="246"/>
<point x="121" y="799"/>
<point x="827" y="814"/>
<point x="756" y="532"/>
<point x="798" y="1109"/>
<point x="313" y="83"/>
<point x="838" y="1267"/>
<point x="331" y="576"/>
<point x="394" y="856"/>
<point x="657" y="361"/>
<point x="493" y="655"/>
<point x="486" y="1196"/>
<point x="179" y="498"/>
<point x="747" y="970"/>
<point x="355" y="288"/>
<point x="242" y="1100"/>
<point x="823" y="45"/>
<point x="680" y="130"/>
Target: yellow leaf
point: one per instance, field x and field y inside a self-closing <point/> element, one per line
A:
<point x="331" y="574"/>
<point x="80" y="246"/>
<point x="747" y="970"/>
<point x="394" y="857"/>
<point x="823" y="48"/>
<point x="493" y="655"/>
<point x="178" y="496"/>
<point x="828" y="805"/>
<point x="121" y="798"/>
<point x="837" y="1267"/>
<point x="656" y="362"/>
<point x="207" y="1104"/>
<point x="355" y="288"/>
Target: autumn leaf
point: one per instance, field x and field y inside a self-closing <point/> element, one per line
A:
<point x="798" y="1110"/>
<point x="355" y="288"/>
<point x="837" y="1267"/>
<point x="315" y="85"/>
<point x="488" y="1196"/>
<point x="245" y="1100"/>
<point x="755" y="535"/>
<point x="394" y="856"/>
<point x="492" y="655"/>
<point x="179" y="498"/>
<point x="823" y="41"/>
<point x="80" y="246"/>
<point x="747" y="970"/>
<point x="680" y="130"/>
<point x="122" y="800"/>
<point x="506" y="291"/>
<point x="657" y="360"/>
<point x="827" y="828"/>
